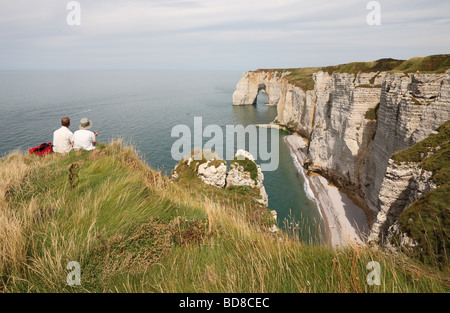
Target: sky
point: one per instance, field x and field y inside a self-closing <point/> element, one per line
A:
<point x="237" y="35"/>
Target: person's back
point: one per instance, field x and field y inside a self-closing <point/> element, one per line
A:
<point x="63" y="137"/>
<point x="84" y="138"/>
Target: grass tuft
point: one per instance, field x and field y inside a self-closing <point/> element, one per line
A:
<point x="372" y="113"/>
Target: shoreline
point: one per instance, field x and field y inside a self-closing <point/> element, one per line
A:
<point x="345" y="222"/>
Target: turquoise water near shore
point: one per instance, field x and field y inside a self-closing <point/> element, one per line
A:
<point x="143" y="107"/>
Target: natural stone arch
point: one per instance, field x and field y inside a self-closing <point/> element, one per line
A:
<point x="252" y="83"/>
<point x="261" y="87"/>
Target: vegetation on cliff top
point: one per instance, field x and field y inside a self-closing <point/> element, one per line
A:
<point x="432" y="154"/>
<point x="300" y="77"/>
<point x="303" y="77"/>
<point x="430" y="64"/>
<point x="248" y="166"/>
<point x="427" y="220"/>
<point x="133" y="230"/>
<point x="382" y="65"/>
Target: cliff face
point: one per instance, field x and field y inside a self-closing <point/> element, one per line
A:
<point x="355" y="122"/>
<point x="402" y="185"/>
<point x="411" y="107"/>
<point x="341" y="136"/>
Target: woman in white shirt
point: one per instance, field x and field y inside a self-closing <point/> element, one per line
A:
<point x="84" y="138"/>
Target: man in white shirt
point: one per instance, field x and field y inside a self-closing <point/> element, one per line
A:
<point x="63" y="137"/>
<point x="84" y="138"/>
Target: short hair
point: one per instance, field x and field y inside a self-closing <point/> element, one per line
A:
<point x="65" y="121"/>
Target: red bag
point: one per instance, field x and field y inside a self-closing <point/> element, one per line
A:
<point x="43" y="150"/>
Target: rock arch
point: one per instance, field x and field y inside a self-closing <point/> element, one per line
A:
<point x="261" y="87"/>
<point x="252" y="83"/>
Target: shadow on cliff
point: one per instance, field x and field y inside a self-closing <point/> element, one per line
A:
<point x="397" y="207"/>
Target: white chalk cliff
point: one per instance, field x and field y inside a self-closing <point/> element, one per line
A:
<point x="349" y="147"/>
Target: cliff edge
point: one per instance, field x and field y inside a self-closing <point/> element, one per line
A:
<point x="129" y="228"/>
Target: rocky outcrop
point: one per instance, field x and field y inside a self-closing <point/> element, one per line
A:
<point x="212" y="175"/>
<point x="402" y="185"/>
<point x="395" y="238"/>
<point x="239" y="176"/>
<point x="213" y="171"/>
<point x="354" y="123"/>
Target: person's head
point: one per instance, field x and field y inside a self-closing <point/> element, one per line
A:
<point x="85" y="124"/>
<point x="65" y="121"/>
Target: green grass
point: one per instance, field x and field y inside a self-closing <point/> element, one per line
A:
<point x="300" y="77"/>
<point x="429" y="64"/>
<point x="427" y="220"/>
<point x="432" y="154"/>
<point x="133" y="230"/>
<point x="372" y="113"/>
<point x="382" y="65"/>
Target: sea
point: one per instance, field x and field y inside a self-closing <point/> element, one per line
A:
<point x="142" y="108"/>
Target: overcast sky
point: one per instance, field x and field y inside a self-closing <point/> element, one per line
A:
<point x="217" y="34"/>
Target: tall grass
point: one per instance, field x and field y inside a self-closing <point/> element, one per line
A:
<point x="119" y="223"/>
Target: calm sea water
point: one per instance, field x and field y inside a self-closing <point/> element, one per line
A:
<point x="143" y="107"/>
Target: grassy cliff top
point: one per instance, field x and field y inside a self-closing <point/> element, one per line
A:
<point x="431" y="153"/>
<point x="133" y="230"/>
<point x="427" y="220"/>
<point x="302" y="77"/>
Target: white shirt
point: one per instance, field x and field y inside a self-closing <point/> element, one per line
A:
<point x="83" y="139"/>
<point x="62" y="140"/>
